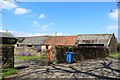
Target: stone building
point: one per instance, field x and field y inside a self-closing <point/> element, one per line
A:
<point x="108" y="41"/>
<point x="33" y="45"/>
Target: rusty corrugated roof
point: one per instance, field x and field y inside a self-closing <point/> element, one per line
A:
<point x="94" y="39"/>
<point x="61" y="40"/>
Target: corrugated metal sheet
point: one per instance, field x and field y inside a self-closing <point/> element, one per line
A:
<point x="68" y="40"/>
<point x="61" y="40"/>
<point x="38" y="40"/>
<point x="94" y="39"/>
<point x="6" y="34"/>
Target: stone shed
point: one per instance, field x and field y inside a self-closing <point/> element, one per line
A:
<point x="33" y="45"/>
<point x="108" y="41"/>
<point x="58" y="55"/>
<point x="7" y="42"/>
<point x="86" y="46"/>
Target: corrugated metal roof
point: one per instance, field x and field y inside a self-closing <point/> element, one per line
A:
<point x="6" y="34"/>
<point x="94" y="39"/>
<point x="68" y="40"/>
<point x="37" y="40"/>
<point x="61" y="40"/>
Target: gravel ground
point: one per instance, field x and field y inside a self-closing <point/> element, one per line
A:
<point x="92" y="68"/>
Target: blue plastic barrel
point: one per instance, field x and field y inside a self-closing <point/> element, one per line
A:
<point x="69" y="57"/>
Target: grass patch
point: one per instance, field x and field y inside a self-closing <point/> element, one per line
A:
<point x="9" y="71"/>
<point x="0" y="75"/>
<point x="30" y="57"/>
<point x="115" y="55"/>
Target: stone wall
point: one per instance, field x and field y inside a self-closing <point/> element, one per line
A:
<point x="28" y="50"/>
<point x="7" y="56"/>
<point x="113" y="45"/>
<point x="81" y="53"/>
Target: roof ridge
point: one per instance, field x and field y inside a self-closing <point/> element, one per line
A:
<point x="96" y="34"/>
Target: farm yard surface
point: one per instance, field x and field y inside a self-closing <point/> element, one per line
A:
<point x="107" y="68"/>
